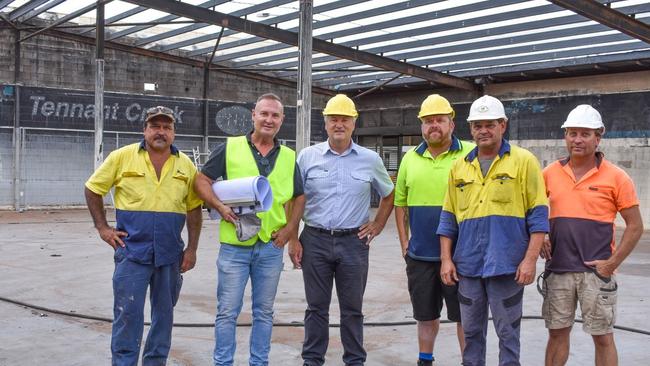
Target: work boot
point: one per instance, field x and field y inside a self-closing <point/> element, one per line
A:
<point x="422" y="362"/>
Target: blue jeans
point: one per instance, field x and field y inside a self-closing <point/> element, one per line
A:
<point x="130" y="282"/>
<point x="261" y="262"/>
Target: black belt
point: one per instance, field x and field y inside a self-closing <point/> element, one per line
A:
<point x="335" y="232"/>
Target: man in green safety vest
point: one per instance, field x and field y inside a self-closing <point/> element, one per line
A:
<point x="260" y="257"/>
<point x="419" y="195"/>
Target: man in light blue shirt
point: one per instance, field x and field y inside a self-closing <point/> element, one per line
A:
<point x="338" y="176"/>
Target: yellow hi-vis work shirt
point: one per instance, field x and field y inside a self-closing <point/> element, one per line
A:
<point x="240" y="163"/>
<point x="151" y="211"/>
<point x="492" y="217"/>
<point x="421" y="186"/>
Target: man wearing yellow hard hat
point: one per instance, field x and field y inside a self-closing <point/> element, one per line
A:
<point x="419" y="195"/>
<point x="338" y="176"/>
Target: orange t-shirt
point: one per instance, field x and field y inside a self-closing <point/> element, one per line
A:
<point x="582" y="213"/>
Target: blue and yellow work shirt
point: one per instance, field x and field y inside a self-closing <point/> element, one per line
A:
<point x="492" y="217"/>
<point x="151" y="211"/>
<point x="421" y="186"/>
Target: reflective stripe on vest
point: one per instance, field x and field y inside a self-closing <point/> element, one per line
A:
<point x="240" y="163"/>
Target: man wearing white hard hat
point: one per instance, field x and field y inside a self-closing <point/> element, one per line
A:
<point x="585" y="193"/>
<point x="338" y="176"/>
<point x="496" y="211"/>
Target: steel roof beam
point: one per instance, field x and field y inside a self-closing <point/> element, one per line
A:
<point x="4" y="3"/>
<point x="524" y="58"/>
<point x="275" y="20"/>
<point x="503" y="42"/>
<point x="120" y="16"/>
<point x="26" y="8"/>
<point x="66" y="18"/>
<point x="166" y="18"/>
<point x="261" y="30"/>
<point x="41" y="10"/>
<point x="178" y="59"/>
<point x="333" y="77"/>
<point x="378" y="26"/>
<point x="608" y="16"/>
<point x="499" y="16"/>
<point x="511" y="69"/>
<point x="545" y="23"/>
<point x="242" y="12"/>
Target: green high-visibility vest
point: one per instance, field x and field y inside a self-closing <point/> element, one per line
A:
<point x="240" y="163"/>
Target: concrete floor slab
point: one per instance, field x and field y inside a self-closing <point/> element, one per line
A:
<point x="56" y="260"/>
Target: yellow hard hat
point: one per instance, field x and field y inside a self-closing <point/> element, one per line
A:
<point x="340" y="105"/>
<point x="435" y="104"/>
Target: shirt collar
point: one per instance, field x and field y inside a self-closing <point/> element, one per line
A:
<point x="456" y="145"/>
<point x="599" y="159"/>
<point x="505" y="148"/>
<point x="352" y="148"/>
<point x="172" y="148"/>
<point x="249" y="138"/>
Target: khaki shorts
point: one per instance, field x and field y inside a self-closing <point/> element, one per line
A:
<point x="597" y="297"/>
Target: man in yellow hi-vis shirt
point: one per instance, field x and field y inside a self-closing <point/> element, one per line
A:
<point x="258" y="257"/>
<point x="497" y="211"/>
<point x="419" y="194"/>
<point x="153" y="200"/>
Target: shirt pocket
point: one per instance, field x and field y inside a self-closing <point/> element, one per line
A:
<point x="464" y="188"/>
<point x="132" y="185"/>
<point x="502" y="188"/>
<point x="317" y="180"/>
<point x="180" y="187"/>
<point x="599" y="200"/>
<point x="360" y="182"/>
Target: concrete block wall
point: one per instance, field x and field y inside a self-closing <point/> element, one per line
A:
<point x="60" y="63"/>
<point x="632" y="155"/>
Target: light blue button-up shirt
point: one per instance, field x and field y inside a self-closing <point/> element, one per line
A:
<point x="337" y="186"/>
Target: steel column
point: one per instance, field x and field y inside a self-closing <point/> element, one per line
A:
<point x="206" y="86"/>
<point x="17" y="138"/>
<point x="303" y="100"/>
<point x="99" y="87"/>
<point x="18" y="193"/>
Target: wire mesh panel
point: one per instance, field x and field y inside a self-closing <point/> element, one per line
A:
<point x="6" y="168"/>
<point x="55" y="166"/>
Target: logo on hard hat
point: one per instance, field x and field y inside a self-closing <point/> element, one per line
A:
<point x="483" y="108"/>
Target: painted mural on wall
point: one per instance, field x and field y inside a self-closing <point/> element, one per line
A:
<point x="73" y="109"/>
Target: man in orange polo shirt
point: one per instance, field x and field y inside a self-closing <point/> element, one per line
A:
<point x="585" y="193"/>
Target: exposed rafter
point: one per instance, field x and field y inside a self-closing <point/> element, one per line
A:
<point x="40" y="10"/>
<point x="242" y="25"/>
<point x="178" y="59"/>
<point x="270" y="21"/>
<point x="26" y="8"/>
<point x="379" y="26"/>
<point x="242" y="12"/>
<point x="608" y="16"/>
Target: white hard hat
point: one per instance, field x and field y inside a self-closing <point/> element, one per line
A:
<point x="486" y="108"/>
<point x="584" y="116"/>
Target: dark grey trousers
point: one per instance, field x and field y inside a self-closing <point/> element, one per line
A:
<point x="504" y="298"/>
<point x="327" y="259"/>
